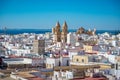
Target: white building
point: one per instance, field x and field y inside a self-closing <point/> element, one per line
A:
<point x="62" y="61"/>
<point x="20" y="52"/>
<point x="62" y="75"/>
<point x="73" y="51"/>
<point x="12" y="61"/>
<point x="71" y="39"/>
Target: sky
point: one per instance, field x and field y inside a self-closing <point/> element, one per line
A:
<point x="43" y="14"/>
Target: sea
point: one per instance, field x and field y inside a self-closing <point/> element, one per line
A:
<point x="42" y="31"/>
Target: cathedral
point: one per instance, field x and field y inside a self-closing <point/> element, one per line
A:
<point x="83" y="31"/>
<point x="60" y="36"/>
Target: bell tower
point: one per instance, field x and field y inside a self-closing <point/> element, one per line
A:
<point x="57" y="33"/>
<point x="64" y="32"/>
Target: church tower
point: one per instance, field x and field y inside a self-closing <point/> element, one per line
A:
<point x="39" y="46"/>
<point x="64" y="32"/>
<point x="57" y="33"/>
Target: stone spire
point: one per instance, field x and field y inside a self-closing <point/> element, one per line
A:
<point x="57" y="27"/>
<point x="57" y="32"/>
<point x="64" y="32"/>
<point x="64" y="28"/>
<point x="65" y="24"/>
<point x="57" y="24"/>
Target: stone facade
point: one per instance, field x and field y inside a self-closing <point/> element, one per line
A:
<point x="39" y="46"/>
<point x="58" y="35"/>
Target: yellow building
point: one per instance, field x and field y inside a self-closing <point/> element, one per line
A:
<point x="80" y="59"/>
<point x="88" y="48"/>
<point x="104" y="66"/>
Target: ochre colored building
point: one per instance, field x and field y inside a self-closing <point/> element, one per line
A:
<point x="87" y="48"/>
<point x="80" y="59"/>
<point x="58" y="35"/>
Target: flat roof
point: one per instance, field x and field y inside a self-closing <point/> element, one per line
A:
<point x="76" y="67"/>
<point x="16" y="62"/>
<point x="25" y="74"/>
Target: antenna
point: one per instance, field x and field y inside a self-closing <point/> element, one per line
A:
<point x="4" y="30"/>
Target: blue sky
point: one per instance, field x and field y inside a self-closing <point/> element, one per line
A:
<point x="43" y="14"/>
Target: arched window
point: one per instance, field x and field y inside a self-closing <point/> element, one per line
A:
<point x="82" y="60"/>
<point x="77" y="60"/>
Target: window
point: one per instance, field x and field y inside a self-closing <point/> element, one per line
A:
<point x="77" y="60"/>
<point x="82" y="60"/>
